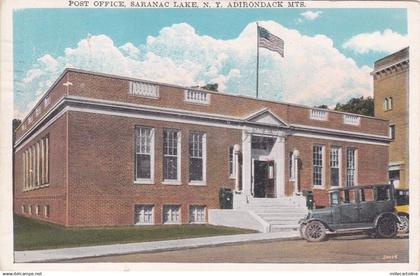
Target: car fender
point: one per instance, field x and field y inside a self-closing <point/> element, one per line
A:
<point x="403" y="214"/>
<point x="396" y="218"/>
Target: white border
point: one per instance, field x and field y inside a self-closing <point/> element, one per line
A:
<point x="6" y="111"/>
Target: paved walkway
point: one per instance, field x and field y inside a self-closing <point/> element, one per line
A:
<point x="144" y="247"/>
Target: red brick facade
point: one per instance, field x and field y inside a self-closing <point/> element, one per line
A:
<point x="91" y="125"/>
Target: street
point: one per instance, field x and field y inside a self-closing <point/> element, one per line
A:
<point x="342" y="249"/>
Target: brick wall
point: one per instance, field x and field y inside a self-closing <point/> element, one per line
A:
<point x="101" y="174"/>
<point x="372" y="163"/>
<point x="54" y="195"/>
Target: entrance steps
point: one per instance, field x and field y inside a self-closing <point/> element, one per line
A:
<point x="280" y="214"/>
<point x="263" y="214"/>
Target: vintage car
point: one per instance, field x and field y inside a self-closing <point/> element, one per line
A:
<point x="401" y="208"/>
<point x="367" y="208"/>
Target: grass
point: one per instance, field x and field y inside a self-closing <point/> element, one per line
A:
<point x="30" y="234"/>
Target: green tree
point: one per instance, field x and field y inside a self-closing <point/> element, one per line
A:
<point x="211" y="87"/>
<point x="16" y="123"/>
<point x="362" y="106"/>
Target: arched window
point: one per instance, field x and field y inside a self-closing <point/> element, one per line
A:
<point x="385" y="104"/>
<point x="389" y="103"/>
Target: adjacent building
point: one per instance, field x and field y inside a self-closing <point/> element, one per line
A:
<point x="100" y="149"/>
<point x="391" y="86"/>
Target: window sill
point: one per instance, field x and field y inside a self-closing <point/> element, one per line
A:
<point x="172" y="223"/>
<point x="169" y="182"/>
<point x="232" y="177"/>
<point x="197" y="222"/>
<point x="197" y="183"/>
<point x="318" y="187"/>
<point x="36" y="188"/>
<point x="145" y="182"/>
<point x="144" y="223"/>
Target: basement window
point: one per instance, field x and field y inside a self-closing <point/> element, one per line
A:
<point x="197" y="214"/>
<point x="143" y="214"/>
<point x="171" y="214"/>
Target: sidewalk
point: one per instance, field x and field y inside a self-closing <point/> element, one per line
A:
<point x="50" y="255"/>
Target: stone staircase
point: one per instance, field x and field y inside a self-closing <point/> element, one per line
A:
<point x="279" y="214"/>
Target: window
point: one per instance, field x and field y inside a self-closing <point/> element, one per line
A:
<point x="316" y="114"/>
<point x="197" y="155"/>
<point x="47" y="211"/>
<point x="197" y="214"/>
<point x="171" y="214"/>
<point x="23" y="209"/>
<point x="366" y="195"/>
<point x="335" y="166"/>
<point x="143" y="89"/>
<point x="317" y="165"/>
<point x="392" y="131"/>
<point x="30" y="119"/>
<point x="143" y="214"/>
<point x="171" y="155"/>
<point x="382" y="193"/>
<point x="351" y="166"/>
<point x="38" y="111"/>
<point x="37" y="210"/>
<point x="232" y="163"/>
<point x="387" y="104"/>
<point x="30" y="209"/>
<point x="291" y="166"/>
<point x="144" y="154"/>
<point x="36" y="165"/>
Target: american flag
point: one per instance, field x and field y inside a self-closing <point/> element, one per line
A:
<point x="270" y="41"/>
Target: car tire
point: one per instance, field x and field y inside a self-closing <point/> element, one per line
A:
<point x="403" y="227"/>
<point x="315" y="231"/>
<point x="302" y="229"/>
<point x="387" y="227"/>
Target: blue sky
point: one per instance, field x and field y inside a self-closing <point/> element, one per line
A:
<point x="41" y="32"/>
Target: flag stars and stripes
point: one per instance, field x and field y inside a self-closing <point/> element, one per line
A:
<point x="269" y="41"/>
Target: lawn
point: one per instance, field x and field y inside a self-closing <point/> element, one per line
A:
<point x="32" y="234"/>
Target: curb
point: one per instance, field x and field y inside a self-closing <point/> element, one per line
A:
<point x="74" y="253"/>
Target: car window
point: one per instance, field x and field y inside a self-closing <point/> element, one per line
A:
<point x="334" y="198"/>
<point x="348" y="196"/>
<point x="366" y="195"/>
<point x="382" y="193"/>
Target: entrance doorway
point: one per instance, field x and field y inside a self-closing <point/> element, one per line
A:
<point x="263" y="179"/>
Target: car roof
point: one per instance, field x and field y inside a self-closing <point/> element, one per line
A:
<point x="358" y="187"/>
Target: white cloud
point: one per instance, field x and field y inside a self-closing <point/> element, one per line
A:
<point x="386" y="42"/>
<point x="312" y="72"/>
<point x="310" y="15"/>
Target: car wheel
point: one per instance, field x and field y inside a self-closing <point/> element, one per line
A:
<point x="386" y="227"/>
<point x="403" y="226"/>
<point x="302" y="229"/>
<point x="315" y="231"/>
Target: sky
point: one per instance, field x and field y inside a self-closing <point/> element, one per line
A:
<point x="329" y="53"/>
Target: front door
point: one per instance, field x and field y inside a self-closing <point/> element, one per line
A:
<point x="264" y="179"/>
<point x="260" y="178"/>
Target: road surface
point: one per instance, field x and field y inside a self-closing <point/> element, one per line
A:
<point x="343" y="249"/>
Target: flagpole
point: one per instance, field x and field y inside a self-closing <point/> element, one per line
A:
<point x="258" y="56"/>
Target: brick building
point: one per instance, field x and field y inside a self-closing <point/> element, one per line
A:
<point x="391" y="103"/>
<point x="100" y="149"/>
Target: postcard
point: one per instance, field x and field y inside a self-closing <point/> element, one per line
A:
<point x="210" y="135"/>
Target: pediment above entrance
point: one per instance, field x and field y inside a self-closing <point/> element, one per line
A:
<point x="265" y="117"/>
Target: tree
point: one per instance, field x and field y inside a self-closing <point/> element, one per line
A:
<point x="16" y="123"/>
<point x="362" y="106"/>
<point x="211" y="87"/>
<point x="324" y="106"/>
